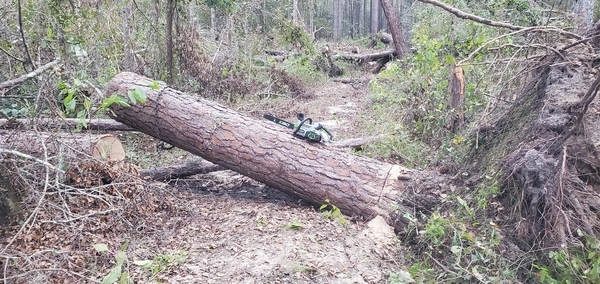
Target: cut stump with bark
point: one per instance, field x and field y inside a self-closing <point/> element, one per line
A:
<point x="88" y="160"/>
<point x="359" y="186"/>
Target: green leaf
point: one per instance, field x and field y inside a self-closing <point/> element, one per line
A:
<point x="124" y="278"/>
<point x="71" y="104"/>
<point x="101" y="247"/>
<point x="140" y="95"/>
<point x="131" y="96"/>
<point x="121" y="257"/>
<point x="87" y="104"/>
<point x="450" y="59"/>
<point x="142" y="262"/>
<point x="323" y="206"/>
<point x="112" y="276"/>
<point x="154" y="85"/>
<point x="336" y="212"/>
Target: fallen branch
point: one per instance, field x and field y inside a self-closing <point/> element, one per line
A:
<point x="64" y="123"/>
<point x="32" y="74"/>
<point x="275" y="52"/>
<point x="358" y="143"/>
<point x="475" y="18"/>
<point x="180" y="171"/>
<point x="363" y="58"/>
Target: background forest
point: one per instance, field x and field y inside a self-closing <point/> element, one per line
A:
<point x="274" y="56"/>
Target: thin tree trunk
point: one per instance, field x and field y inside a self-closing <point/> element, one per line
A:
<point x="374" y="16"/>
<point x="266" y="152"/>
<point x="337" y="19"/>
<point x="127" y="49"/>
<point x="394" y="27"/>
<point x="170" y="12"/>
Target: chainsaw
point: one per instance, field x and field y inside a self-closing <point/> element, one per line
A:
<point x="304" y="128"/>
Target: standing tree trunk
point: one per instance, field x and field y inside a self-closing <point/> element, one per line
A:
<point x="296" y="16"/>
<point x="127" y="48"/>
<point x="457" y="90"/>
<point x="266" y="152"/>
<point x="170" y="12"/>
<point x="337" y="19"/>
<point x="374" y="16"/>
<point x="394" y="27"/>
<point x="585" y="10"/>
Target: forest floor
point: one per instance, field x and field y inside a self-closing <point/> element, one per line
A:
<point x="232" y="229"/>
<point x="219" y="227"/>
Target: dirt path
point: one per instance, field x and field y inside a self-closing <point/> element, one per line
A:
<point x="241" y="231"/>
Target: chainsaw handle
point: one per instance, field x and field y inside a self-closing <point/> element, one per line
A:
<point x="302" y="123"/>
<point x="319" y="127"/>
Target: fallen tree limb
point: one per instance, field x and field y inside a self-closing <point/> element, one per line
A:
<point x="275" y="52"/>
<point x="32" y="74"/>
<point x="359" y="186"/>
<point x="475" y="18"/>
<point x="64" y="123"/>
<point x="358" y="143"/>
<point x="180" y="171"/>
<point x="364" y="58"/>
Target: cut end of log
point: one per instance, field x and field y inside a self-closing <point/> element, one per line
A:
<point x="108" y="148"/>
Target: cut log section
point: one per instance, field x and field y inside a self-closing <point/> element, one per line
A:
<point x="87" y="160"/>
<point x="105" y="147"/>
<point x="359" y="186"/>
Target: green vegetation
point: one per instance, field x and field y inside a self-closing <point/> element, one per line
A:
<point x="331" y="211"/>
<point x="219" y="54"/>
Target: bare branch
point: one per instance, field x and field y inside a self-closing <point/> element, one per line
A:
<point x="32" y="74"/>
<point x="475" y="18"/>
<point x="23" y="35"/>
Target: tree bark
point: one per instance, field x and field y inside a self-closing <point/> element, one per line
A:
<point x="364" y="58"/>
<point x="337" y="19"/>
<point x="374" y="16"/>
<point x="264" y="151"/>
<point x="64" y="147"/>
<point x="394" y="27"/>
<point x="170" y="12"/>
<point x="457" y="101"/>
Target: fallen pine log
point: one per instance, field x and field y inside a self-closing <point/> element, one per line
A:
<point x="359" y="186"/>
<point x="180" y="171"/>
<point x="64" y="123"/>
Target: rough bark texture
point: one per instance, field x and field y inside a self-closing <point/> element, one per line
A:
<point x="394" y="27"/>
<point x="457" y="101"/>
<point x="357" y="185"/>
